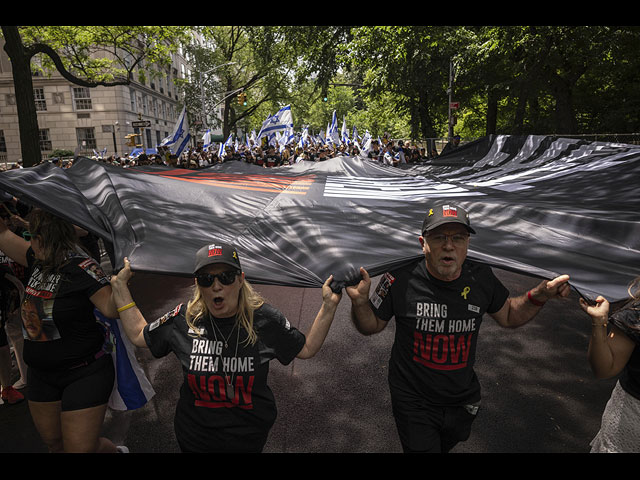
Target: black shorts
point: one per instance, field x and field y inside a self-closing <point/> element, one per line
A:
<point x="430" y="429"/>
<point x="78" y="388"/>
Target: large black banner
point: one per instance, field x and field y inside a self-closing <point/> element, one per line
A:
<point x="541" y="206"/>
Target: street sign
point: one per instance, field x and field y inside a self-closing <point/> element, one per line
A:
<point x="454" y="105"/>
<point x="142" y="123"/>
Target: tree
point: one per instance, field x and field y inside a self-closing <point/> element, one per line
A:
<point x="88" y="56"/>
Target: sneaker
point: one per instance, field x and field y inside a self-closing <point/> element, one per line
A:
<point x="20" y="384"/>
<point x="122" y="449"/>
<point x="10" y="395"/>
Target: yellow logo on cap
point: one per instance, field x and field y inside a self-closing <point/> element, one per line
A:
<point x="430" y="211"/>
<point x="235" y="255"/>
<point x="465" y="292"/>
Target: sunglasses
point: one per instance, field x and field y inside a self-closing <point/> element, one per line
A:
<point x="28" y="235"/>
<point x="225" y="278"/>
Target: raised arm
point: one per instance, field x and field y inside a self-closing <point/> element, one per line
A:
<point x="132" y="320"/>
<point x="607" y="354"/>
<point x="365" y="321"/>
<point x="14" y="246"/>
<point x="320" y="327"/>
<point x="519" y="310"/>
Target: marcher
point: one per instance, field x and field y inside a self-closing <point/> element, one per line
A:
<point x="613" y="354"/>
<point x="438" y="302"/>
<point x="224" y="338"/>
<point x="70" y="378"/>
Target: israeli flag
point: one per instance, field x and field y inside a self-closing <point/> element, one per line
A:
<point x="223" y="146"/>
<point x="206" y="140"/>
<point x="178" y="139"/>
<point x="344" y="132"/>
<point x="333" y="130"/>
<point x="131" y="388"/>
<point x="276" y="123"/>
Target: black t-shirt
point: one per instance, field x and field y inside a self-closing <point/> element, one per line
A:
<point x="208" y="417"/>
<point x="59" y="326"/>
<point x="437" y="325"/>
<point x="628" y="320"/>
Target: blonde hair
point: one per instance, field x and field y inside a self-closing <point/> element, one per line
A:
<point x="248" y="302"/>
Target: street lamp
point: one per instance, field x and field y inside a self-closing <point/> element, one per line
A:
<point x="204" y="115"/>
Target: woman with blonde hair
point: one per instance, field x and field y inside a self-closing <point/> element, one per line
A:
<point x="70" y="377"/>
<point x="224" y="337"/>
<point x="613" y="351"/>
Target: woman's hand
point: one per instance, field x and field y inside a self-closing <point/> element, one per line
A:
<point x="120" y="282"/>
<point x="329" y="297"/>
<point x="598" y="312"/>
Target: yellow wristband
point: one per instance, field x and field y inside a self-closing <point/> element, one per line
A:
<point x="127" y="307"/>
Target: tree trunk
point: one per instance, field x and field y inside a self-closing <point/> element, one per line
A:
<point x="27" y="116"/>
<point x="492" y="111"/>
<point x="565" y="116"/>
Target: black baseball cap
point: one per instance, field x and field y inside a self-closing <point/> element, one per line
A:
<point x="447" y="213"/>
<point x="217" y="252"/>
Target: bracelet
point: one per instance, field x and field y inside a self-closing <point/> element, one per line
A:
<point x="127" y="307"/>
<point x="537" y="303"/>
<point x="600" y="324"/>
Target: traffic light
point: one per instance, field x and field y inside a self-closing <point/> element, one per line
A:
<point x="131" y="140"/>
<point x="242" y="99"/>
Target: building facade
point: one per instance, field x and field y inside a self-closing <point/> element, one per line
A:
<point x="87" y="120"/>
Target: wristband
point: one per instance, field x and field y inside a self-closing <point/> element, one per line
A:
<point x="533" y="300"/>
<point x="126" y="307"/>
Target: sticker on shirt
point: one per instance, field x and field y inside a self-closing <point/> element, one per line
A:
<point x="163" y="319"/>
<point x="381" y="291"/>
<point x="37" y="307"/>
<point x="94" y="270"/>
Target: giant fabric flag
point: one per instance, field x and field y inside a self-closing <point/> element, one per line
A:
<point x="541" y="206"/>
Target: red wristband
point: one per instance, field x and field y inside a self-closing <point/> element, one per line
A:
<point x="533" y="300"/>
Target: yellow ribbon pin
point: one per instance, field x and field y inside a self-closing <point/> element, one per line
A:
<point x="465" y="292"/>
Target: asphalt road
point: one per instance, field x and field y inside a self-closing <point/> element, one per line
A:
<point x="539" y="395"/>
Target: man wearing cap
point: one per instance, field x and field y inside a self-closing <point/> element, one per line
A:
<point x="438" y="303"/>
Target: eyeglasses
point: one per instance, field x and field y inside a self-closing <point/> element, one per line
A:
<point x="28" y="235"/>
<point x="225" y="278"/>
<point x="458" y="239"/>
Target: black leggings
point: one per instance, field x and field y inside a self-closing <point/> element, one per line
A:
<point x="78" y="388"/>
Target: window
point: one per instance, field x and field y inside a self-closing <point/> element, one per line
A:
<point x="86" y="138"/>
<point x="81" y="98"/>
<point x="3" y="143"/>
<point x="45" y="140"/>
<point x="38" y="96"/>
<point x="134" y="104"/>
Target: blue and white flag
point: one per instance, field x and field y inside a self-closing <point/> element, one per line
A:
<point x="131" y="388"/>
<point x="344" y="133"/>
<point x="332" y="133"/>
<point x="223" y="146"/>
<point x="206" y="140"/>
<point x="276" y="123"/>
<point x="178" y="139"/>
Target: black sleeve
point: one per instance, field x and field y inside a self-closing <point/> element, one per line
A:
<point x="278" y="334"/>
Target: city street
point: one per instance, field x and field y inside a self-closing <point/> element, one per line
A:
<point x="539" y="395"/>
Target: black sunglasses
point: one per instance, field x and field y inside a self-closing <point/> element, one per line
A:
<point x="225" y="278"/>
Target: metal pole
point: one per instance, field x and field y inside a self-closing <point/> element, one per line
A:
<point x="450" y="96"/>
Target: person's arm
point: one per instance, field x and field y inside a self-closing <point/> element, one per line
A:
<point x="607" y="354"/>
<point x="132" y="320"/>
<point x="322" y="323"/>
<point x="517" y="311"/>
<point x="364" y="319"/>
<point x="14" y="246"/>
